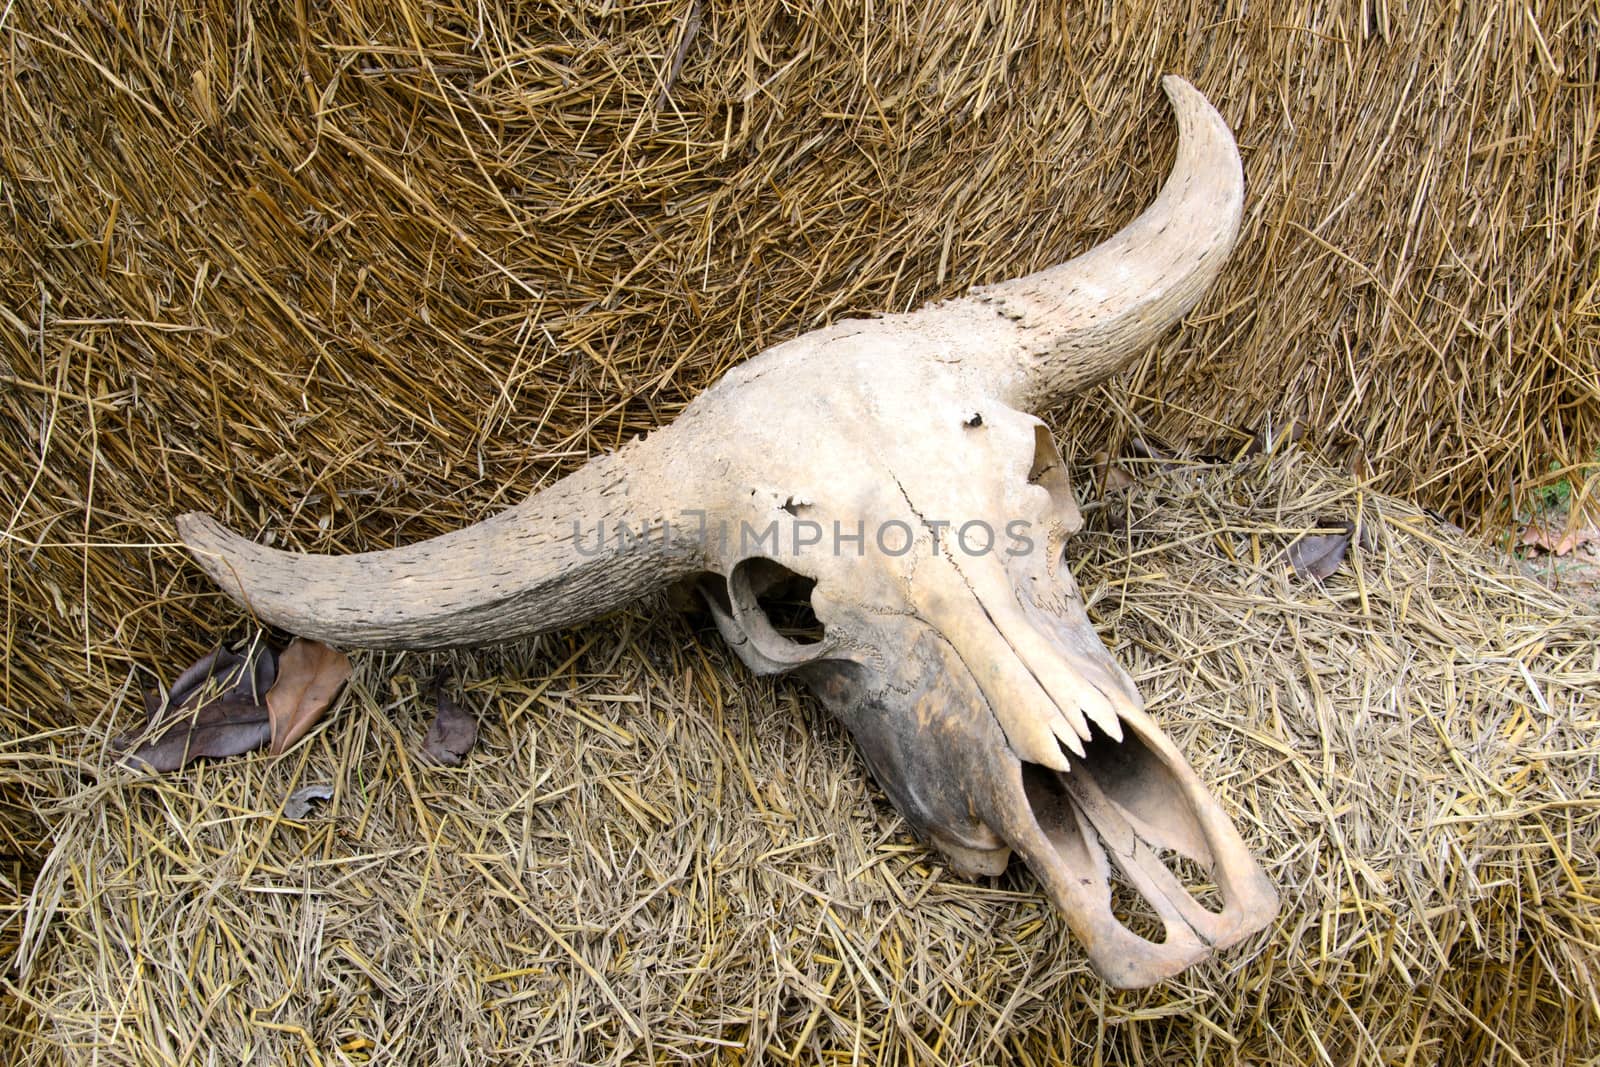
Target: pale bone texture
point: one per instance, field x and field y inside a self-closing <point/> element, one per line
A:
<point x="881" y="482"/>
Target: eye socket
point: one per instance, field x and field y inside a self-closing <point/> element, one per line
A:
<point x="764" y="611"/>
<point x="773" y="603"/>
<point x="1048" y="470"/>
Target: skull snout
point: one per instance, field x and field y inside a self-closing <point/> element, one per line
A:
<point x="999" y="723"/>
<point x="1150" y="873"/>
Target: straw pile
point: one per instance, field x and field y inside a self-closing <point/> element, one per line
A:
<point x="352" y="274"/>
<point x="650" y="856"/>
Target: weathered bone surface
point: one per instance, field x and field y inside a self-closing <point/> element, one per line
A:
<point x="883" y="478"/>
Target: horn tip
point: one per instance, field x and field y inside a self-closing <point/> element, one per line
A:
<point x="199" y="531"/>
<point x="1189" y="103"/>
<point x="1176" y="85"/>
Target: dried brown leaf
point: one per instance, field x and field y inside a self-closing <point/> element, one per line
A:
<point x="1111" y="476"/>
<point x="219" y="673"/>
<point x="1319" y="555"/>
<point x="1148" y="448"/>
<point x="453" y="733"/>
<point x="1560" y="537"/>
<point x="225" y="727"/>
<point x="213" y="709"/>
<point x="310" y="675"/>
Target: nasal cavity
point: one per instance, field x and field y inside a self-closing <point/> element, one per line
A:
<point x="1136" y="782"/>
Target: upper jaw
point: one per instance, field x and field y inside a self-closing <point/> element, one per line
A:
<point x="1125" y="801"/>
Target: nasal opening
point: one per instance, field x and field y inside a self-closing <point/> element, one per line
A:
<point x="1136" y="781"/>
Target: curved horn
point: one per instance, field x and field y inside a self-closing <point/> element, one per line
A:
<point x="554" y="560"/>
<point x="1054" y="333"/>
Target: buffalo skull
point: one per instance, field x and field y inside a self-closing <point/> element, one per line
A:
<point x="884" y="476"/>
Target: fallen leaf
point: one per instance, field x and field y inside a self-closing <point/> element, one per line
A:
<point x="1111" y="476"/>
<point x="1560" y="536"/>
<point x="213" y="709"/>
<point x="1150" y="449"/>
<point x="219" y="673"/>
<point x="1164" y="457"/>
<point x="298" y="806"/>
<point x="310" y="675"/>
<point x="1443" y="520"/>
<point x="1319" y="555"/>
<point x="453" y="733"/>
<point x="225" y="727"/>
<point x="219" y="667"/>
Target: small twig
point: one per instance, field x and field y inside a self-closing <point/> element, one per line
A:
<point x="691" y="26"/>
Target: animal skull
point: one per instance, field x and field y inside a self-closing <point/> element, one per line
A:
<point x="887" y="471"/>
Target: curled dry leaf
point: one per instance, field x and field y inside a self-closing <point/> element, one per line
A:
<point x="298" y="806"/>
<point x="310" y="675"/>
<point x="247" y="676"/>
<point x="452" y="734"/>
<point x="1560" y="535"/>
<point x="215" y="708"/>
<point x="1112" y="477"/>
<point x="1319" y="555"/>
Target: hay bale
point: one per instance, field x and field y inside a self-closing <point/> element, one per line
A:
<point x="652" y="857"/>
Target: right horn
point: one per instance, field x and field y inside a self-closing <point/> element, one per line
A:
<point x="555" y="560"/>
<point x="1049" y="335"/>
